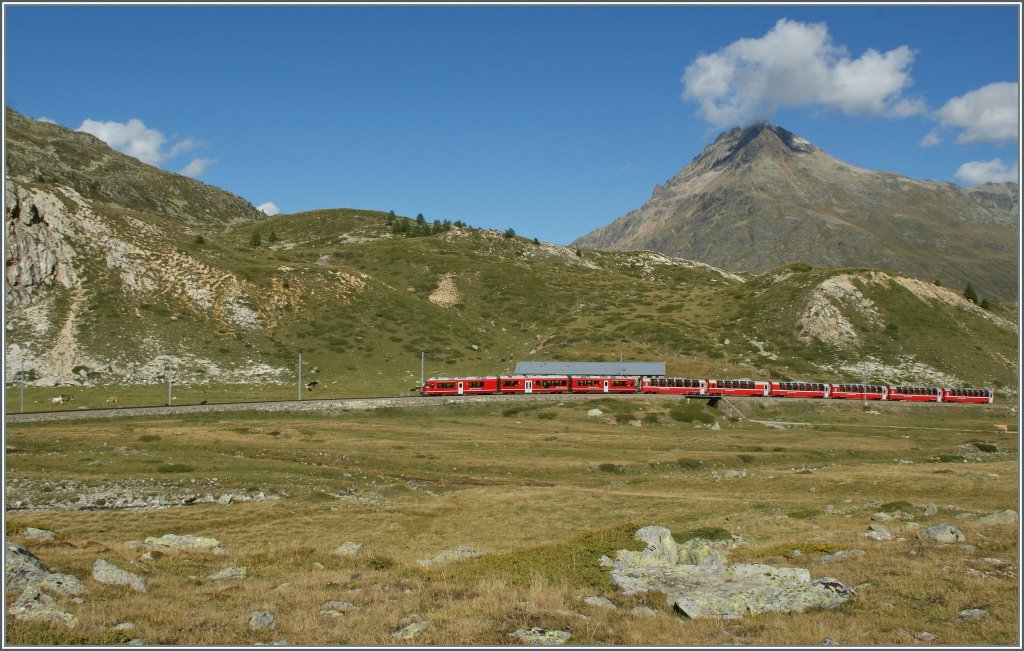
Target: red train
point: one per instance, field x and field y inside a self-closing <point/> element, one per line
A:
<point x="460" y="386"/>
<point x="523" y="384"/>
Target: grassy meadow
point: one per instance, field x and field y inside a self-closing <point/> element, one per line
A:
<point x="543" y="490"/>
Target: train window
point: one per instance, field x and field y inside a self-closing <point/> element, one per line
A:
<point x="619" y="383"/>
<point x="510" y="383"/>
<point x="476" y="385"/>
<point x="445" y="385"/>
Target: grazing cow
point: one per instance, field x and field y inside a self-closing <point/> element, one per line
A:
<point x="57" y="400"/>
<point x="66" y="398"/>
<point x="112" y="399"/>
<point x="1001" y="427"/>
<point x="203" y="402"/>
<point x="310" y="385"/>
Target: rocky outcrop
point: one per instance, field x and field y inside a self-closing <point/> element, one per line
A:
<point x="700" y="583"/>
<point x="24" y="572"/>
<point x="457" y="553"/>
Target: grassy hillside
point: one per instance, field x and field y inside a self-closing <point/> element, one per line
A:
<point x="361" y="304"/>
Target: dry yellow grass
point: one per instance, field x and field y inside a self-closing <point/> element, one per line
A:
<point x="543" y="491"/>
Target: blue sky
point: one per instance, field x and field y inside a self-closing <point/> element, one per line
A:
<point x="553" y="120"/>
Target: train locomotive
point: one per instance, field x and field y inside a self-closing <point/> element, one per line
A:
<point x="698" y="387"/>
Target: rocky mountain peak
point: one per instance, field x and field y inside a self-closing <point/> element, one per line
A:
<point x="742" y="146"/>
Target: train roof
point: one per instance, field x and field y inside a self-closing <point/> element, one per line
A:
<point x="590" y="368"/>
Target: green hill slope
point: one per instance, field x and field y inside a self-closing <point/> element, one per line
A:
<point x="101" y="290"/>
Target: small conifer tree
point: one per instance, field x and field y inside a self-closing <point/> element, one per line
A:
<point x="254" y="239"/>
<point x="970" y="294"/>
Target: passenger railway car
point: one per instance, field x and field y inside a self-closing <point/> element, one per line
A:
<point x="967" y="395"/>
<point x="916" y="394"/>
<point x="859" y="392"/>
<point x="459" y="386"/>
<point x="602" y="384"/>
<point x="800" y="390"/>
<point x="534" y="384"/>
<point x="676" y="386"/>
<point x="737" y="388"/>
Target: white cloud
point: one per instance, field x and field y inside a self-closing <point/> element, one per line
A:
<point x="46" y="119"/>
<point x="188" y="144"/>
<point x="933" y="138"/>
<point x="993" y="171"/>
<point x="197" y="167"/>
<point x="988" y="114"/>
<point x="148" y="145"/>
<point x="269" y="208"/>
<point x="796" y="64"/>
<point x="132" y="137"/>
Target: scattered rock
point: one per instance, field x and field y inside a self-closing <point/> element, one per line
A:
<point x="700" y="584"/>
<point x="172" y="541"/>
<point x="931" y="509"/>
<point x="1009" y="516"/>
<point x="38" y="534"/>
<point x="349" y="549"/>
<point x="735" y="474"/>
<point x="337" y="608"/>
<point x="125" y="626"/>
<point x="457" y="553"/>
<point x="228" y="573"/>
<point x="838" y="556"/>
<point x="110" y="574"/>
<point x="599" y="601"/>
<point x="410" y="631"/>
<point x="972" y="614"/>
<point x="827" y="641"/>
<point x="594" y="413"/>
<point x="877" y="532"/>
<point x="995" y="562"/>
<point x="941" y="533"/>
<point x="925" y="636"/>
<point x="537" y="636"/>
<point x="644" y="610"/>
<point x="262" y="619"/>
<point x="36" y="605"/>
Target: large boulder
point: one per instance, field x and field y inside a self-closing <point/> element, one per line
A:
<point x="1009" y="516"/>
<point x="106" y="572"/>
<point x="21" y="567"/>
<point x="941" y="533"/>
<point x="699" y="583"/>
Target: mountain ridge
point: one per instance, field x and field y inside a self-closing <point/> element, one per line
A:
<point x="760" y="197"/>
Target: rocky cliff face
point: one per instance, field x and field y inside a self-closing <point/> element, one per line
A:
<point x="760" y="197"/>
<point x="91" y="237"/>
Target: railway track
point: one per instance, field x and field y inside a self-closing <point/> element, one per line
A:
<point x="299" y="406"/>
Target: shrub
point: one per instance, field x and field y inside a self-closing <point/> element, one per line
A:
<point x="746" y="458"/>
<point x="689" y="464"/>
<point x="704" y="533"/>
<point x="804" y="514"/>
<point x="611" y="467"/>
<point x="547" y="415"/>
<point x="984" y="447"/>
<point x="651" y="419"/>
<point x="174" y="467"/>
<point x="149" y="438"/>
<point x="254" y="239"/>
<point x="686" y="413"/>
<point x="889" y="507"/>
